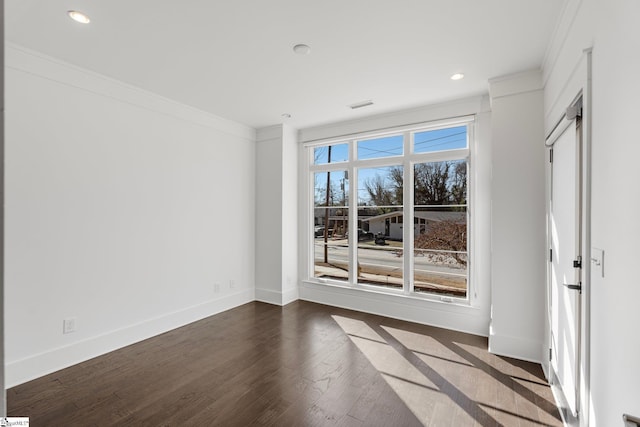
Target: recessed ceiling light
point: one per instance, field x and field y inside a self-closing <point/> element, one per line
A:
<point x="457" y="76"/>
<point x="286" y="116"/>
<point x="302" y="49"/>
<point x="78" y="17"/>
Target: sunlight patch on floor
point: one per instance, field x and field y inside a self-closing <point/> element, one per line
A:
<point x="357" y="328"/>
<point x="412" y="386"/>
<point x="425" y="345"/>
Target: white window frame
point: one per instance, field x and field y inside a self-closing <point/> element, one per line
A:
<point x="407" y="161"/>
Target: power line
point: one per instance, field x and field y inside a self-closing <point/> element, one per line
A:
<point x="440" y="137"/>
<point x="393" y="153"/>
<point x="444" y="143"/>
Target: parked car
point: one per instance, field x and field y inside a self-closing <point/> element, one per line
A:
<point x="362" y="235"/>
<point x="318" y="231"/>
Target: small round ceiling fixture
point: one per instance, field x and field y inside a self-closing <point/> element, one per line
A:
<point x="286" y="116"/>
<point x="457" y="76"/>
<point x="78" y="17"/>
<point x="302" y="49"/>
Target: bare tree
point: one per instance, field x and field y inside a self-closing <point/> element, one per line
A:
<point x="445" y="235"/>
<point x="459" y="183"/>
<point x="379" y="193"/>
<point x="431" y="183"/>
<point x="435" y="183"/>
<point x="396" y="174"/>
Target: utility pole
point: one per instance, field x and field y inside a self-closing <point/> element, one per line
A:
<point x="344" y="203"/>
<point x="326" y="211"/>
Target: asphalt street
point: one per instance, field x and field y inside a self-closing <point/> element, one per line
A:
<point x="383" y="256"/>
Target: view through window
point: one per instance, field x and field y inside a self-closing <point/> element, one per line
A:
<point x="391" y="212"/>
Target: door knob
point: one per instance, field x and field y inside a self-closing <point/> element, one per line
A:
<point x="577" y="287"/>
<point x="630" y="421"/>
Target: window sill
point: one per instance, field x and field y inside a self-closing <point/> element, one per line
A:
<point x="437" y="301"/>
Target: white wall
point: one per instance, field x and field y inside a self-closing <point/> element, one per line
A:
<point x="289" y="214"/>
<point x="615" y="341"/>
<point x="611" y="28"/>
<point x="268" y="250"/>
<point x="517" y="216"/>
<point x="3" y="393"/>
<point x="123" y="210"/>
<point x="276" y="215"/>
<point x="472" y="318"/>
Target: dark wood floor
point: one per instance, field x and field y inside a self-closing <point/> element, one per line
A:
<point x="300" y="365"/>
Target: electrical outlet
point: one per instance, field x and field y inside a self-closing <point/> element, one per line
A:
<point x="232" y="284"/>
<point x="216" y="287"/>
<point x="69" y="325"/>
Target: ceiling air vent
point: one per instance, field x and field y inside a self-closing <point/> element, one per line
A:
<point x="361" y="104"/>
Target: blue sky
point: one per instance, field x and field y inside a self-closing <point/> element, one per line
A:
<point x="424" y="142"/>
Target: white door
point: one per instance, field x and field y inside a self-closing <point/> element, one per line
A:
<point x="565" y="271"/>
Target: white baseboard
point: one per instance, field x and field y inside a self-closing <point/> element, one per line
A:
<point x="268" y="296"/>
<point x="545" y="371"/>
<point x="32" y="367"/>
<point x="290" y="295"/>
<point x="275" y="297"/>
<point x="515" y="347"/>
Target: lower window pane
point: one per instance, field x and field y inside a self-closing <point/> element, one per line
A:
<point x="336" y="265"/>
<point x="440" y="250"/>
<point x="440" y="273"/>
<point x="331" y="247"/>
<point x="380" y="247"/>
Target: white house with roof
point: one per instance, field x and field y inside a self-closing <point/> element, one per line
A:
<point x="391" y="224"/>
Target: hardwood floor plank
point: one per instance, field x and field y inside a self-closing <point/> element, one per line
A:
<point x="303" y="364"/>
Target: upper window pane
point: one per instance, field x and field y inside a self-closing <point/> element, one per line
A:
<point x="440" y="140"/>
<point x="380" y="147"/>
<point x="331" y="154"/>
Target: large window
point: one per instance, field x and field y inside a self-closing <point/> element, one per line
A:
<point x="390" y="211"/>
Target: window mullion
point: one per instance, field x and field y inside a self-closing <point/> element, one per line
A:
<point x="470" y="251"/>
<point x="329" y="167"/>
<point x="407" y="206"/>
<point x="441" y="156"/>
<point x="353" y="215"/>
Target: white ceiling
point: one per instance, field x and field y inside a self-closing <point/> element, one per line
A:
<point x="234" y="58"/>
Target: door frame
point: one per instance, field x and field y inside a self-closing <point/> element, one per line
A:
<point x="578" y="92"/>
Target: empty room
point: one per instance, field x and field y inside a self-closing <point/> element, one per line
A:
<point x="297" y="213"/>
